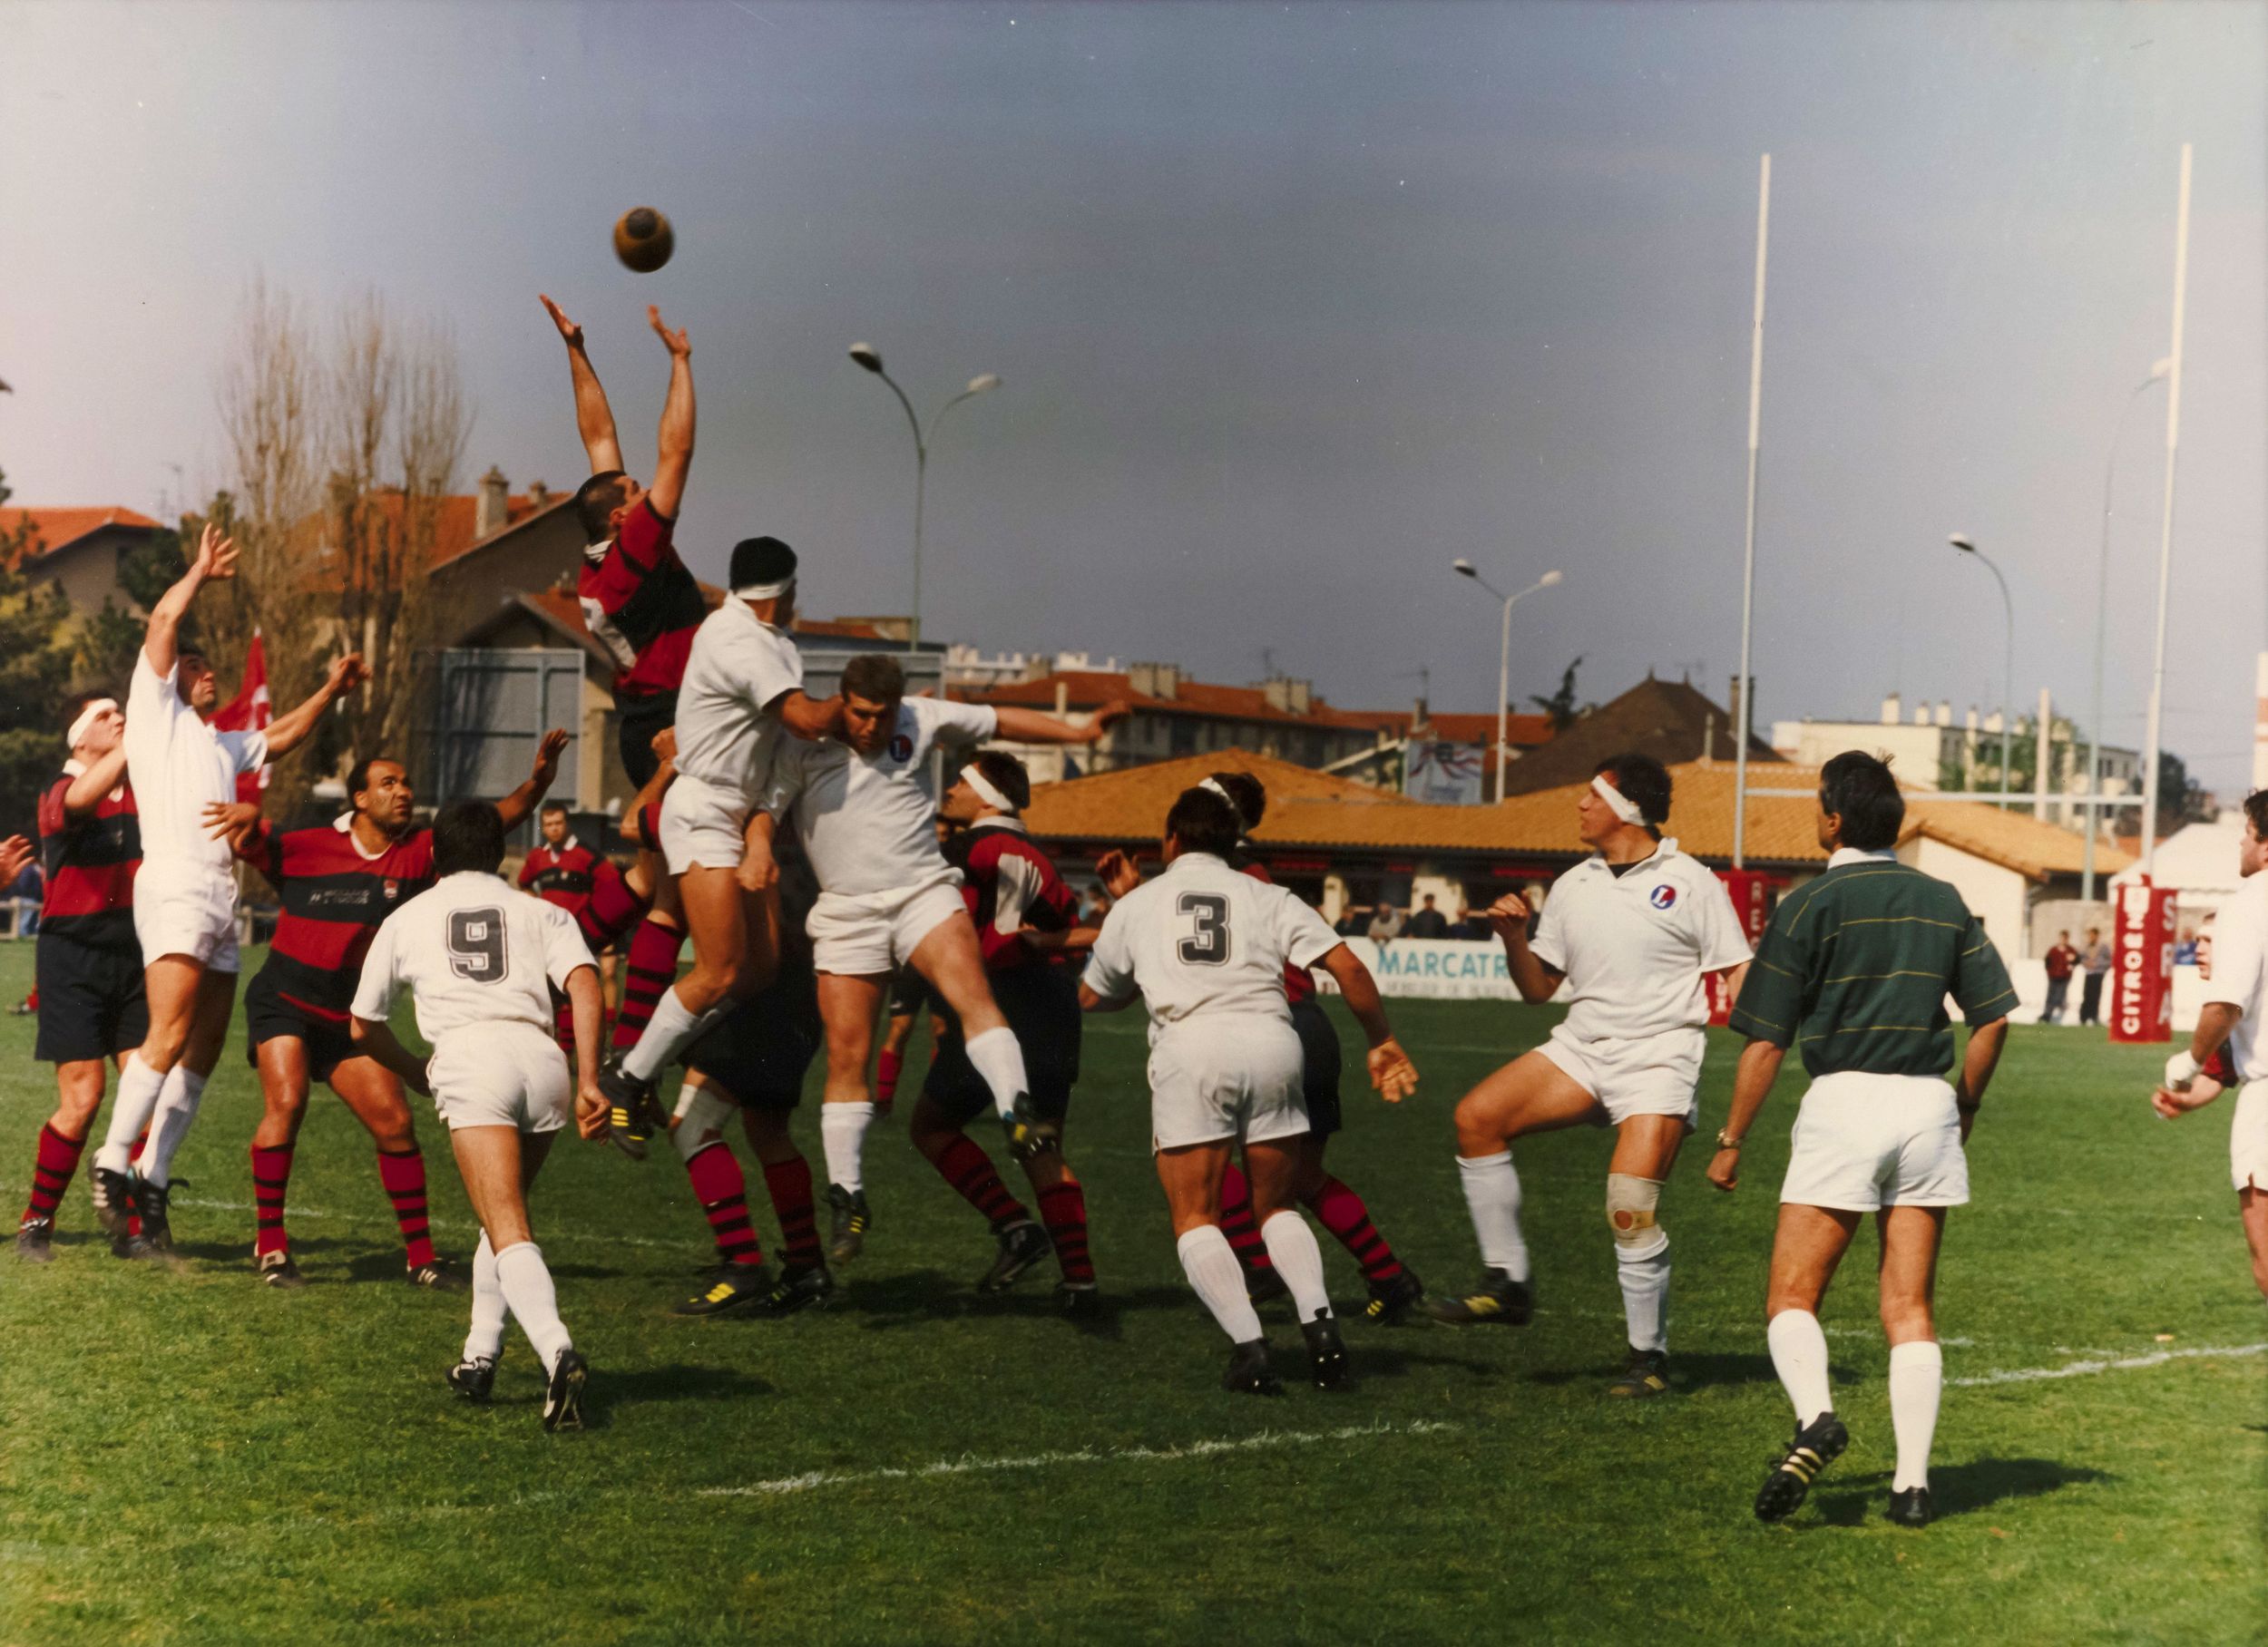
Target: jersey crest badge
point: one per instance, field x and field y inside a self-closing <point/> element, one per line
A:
<point x="1663" y="896"/>
<point x="392" y="888"/>
<point x="900" y="748"/>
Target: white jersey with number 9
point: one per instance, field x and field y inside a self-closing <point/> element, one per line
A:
<point x="1204" y="939"/>
<point x="474" y="953"/>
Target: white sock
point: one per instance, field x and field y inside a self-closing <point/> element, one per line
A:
<point x="998" y="1056"/>
<point x="1917" y="1377"/>
<point x="1210" y="1263"/>
<point x="137" y="1097"/>
<point x="843" y="1132"/>
<point x="1493" y="1193"/>
<point x="183" y="1091"/>
<point x="1299" y="1260"/>
<point x="527" y="1286"/>
<point x="1645" y="1297"/>
<point x="485" y="1342"/>
<point x="669" y="1031"/>
<point x="1799" y="1355"/>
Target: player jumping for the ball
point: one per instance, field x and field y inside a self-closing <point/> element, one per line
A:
<point x="1635" y="929"/>
<point x="480" y="958"/>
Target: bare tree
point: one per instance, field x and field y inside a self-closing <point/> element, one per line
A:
<point x="344" y="454"/>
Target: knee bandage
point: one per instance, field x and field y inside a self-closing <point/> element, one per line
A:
<point x="702" y="1112"/>
<point x="1630" y="1203"/>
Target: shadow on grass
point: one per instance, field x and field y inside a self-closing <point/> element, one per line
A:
<point x="1687" y="1372"/>
<point x="677" y="1382"/>
<point x="1374" y="1360"/>
<point x="917" y="1297"/>
<point x="1958" y="1489"/>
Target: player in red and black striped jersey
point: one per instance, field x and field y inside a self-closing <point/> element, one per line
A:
<point x="561" y="870"/>
<point x="1394" y="1289"/>
<point x="1027" y="923"/>
<point x="88" y="962"/>
<point x="642" y="604"/>
<point x="337" y="883"/>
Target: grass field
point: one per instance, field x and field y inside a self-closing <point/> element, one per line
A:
<point x="186" y="1456"/>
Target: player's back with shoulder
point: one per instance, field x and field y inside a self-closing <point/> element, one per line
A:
<point x="1206" y="938"/>
<point x="472" y="949"/>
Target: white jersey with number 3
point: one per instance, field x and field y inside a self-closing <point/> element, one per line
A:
<point x="474" y="953"/>
<point x="1204" y="939"/>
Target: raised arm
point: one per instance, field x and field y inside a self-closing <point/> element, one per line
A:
<point x="594" y="419"/>
<point x="87" y="790"/>
<point x="515" y="807"/>
<point x="287" y="732"/>
<point x="809" y="718"/>
<point x="215" y="561"/>
<point x="1031" y="726"/>
<point x="675" y="449"/>
<point x="1531" y="976"/>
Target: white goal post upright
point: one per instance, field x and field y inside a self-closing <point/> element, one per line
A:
<point x="2166" y="528"/>
<point x="1743" y="715"/>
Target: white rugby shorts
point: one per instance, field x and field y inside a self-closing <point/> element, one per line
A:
<point x="502" y="1075"/>
<point x="2248" y="1137"/>
<point x="1234" y="1076"/>
<point x="703" y="826"/>
<point x="1654" y="1075"/>
<point x="190" y="912"/>
<point x="1863" y="1142"/>
<point x="863" y="934"/>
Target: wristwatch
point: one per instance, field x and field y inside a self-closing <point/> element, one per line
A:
<point x="1725" y="1139"/>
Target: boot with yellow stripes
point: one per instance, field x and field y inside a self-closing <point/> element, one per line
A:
<point x="1816" y="1446"/>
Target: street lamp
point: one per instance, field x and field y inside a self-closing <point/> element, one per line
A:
<point x="1465" y="568"/>
<point x="2092" y="817"/>
<point x="870" y="357"/>
<point x="1967" y="545"/>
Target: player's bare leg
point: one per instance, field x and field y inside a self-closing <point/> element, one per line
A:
<point x="1911" y="1238"/>
<point x="847" y="1006"/>
<point x="499" y="1165"/>
<point x="371" y="1091"/>
<point x="962" y="1162"/>
<point x="1806" y="1248"/>
<point x="1645" y="1149"/>
<point x="1190" y="1175"/>
<point x="1395" y="1290"/>
<point x="1529" y="1095"/>
<point x="2252" y="1207"/>
<point x="1276" y="1169"/>
<point x="62" y="1141"/>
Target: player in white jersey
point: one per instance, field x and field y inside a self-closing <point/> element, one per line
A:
<point x="863" y="811"/>
<point x="1204" y="945"/>
<point x="185" y="891"/>
<point x="1634" y="930"/>
<point x="480" y="958"/>
<point x="2229" y="1048"/>
<point x="742" y="693"/>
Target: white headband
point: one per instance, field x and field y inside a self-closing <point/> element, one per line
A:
<point x="1620" y="804"/>
<point x="985" y="791"/>
<point x="1221" y="789"/>
<point x="87" y="718"/>
<point x="765" y="592"/>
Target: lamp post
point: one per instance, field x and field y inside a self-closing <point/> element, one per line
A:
<point x="1967" y="546"/>
<point x="870" y="357"/>
<point x="1465" y="568"/>
<point x="2093" y="819"/>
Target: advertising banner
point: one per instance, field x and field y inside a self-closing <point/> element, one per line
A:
<point x="1443" y="774"/>
<point x="2141" y="1004"/>
<point x="1751" y="892"/>
<point x="1433" y="969"/>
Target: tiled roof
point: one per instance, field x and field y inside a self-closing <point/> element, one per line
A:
<point x="1667" y="719"/>
<point x="1130" y="804"/>
<point x="1543" y="824"/>
<point x="1092" y="689"/>
<point x="53" y="529"/>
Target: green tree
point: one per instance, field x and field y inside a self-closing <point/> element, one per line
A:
<point x="38" y="645"/>
<point x="1560" y="707"/>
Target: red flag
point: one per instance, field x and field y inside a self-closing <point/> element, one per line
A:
<point x="248" y="711"/>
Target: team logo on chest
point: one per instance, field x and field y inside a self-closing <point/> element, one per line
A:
<point x="1663" y="896"/>
<point x="391" y="890"/>
<point x="900" y="748"/>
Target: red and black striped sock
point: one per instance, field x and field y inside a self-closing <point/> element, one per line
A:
<point x="966" y="1168"/>
<point x="647" y="972"/>
<point x="610" y="913"/>
<point x="788" y="1183"/>
<point x="1063" y="1209"/>
<point x="886" y="1069"/>
<point x="58" y="1158"/>
<point x="1236" y="1222"/>
<point x="722" y="1189"/>
<point x="404" y="1175"/>
<point x="133" y="1219"/>
<point x="271" y="1170"/>
<point x="564" y="1025"/>
<point x="1345" y="1215"/>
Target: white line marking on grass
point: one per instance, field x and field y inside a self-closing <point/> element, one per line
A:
<point x="1267" y="1440"/>
<point x="2131" y="1363"/>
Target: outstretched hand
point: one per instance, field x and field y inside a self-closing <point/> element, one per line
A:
<point x="15" y="851"/>
<point x="675" y="341"/>
<point x="1117" y="873"/>
<point x="547" y="753"/>
<point x="1392" y="1072"/>
<point x="346" y="674"/>
<point x="1508" y="915"/>
<point x="568" y="330"/>
<point x="216" y="555"/>
<point x="590" y="1109"/>
<point x="1104" y="718"/>
<point x="227" y="820"/>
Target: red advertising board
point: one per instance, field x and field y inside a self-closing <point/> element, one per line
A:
<point x="2141" y="1004"/>
<point x="1751" y="892"/>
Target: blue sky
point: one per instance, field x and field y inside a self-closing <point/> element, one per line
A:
<point x="1294" y="303"/>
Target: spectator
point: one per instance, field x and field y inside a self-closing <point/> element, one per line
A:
<point x="1472" y="925"/>
<point x="1351" y="921"/>
<point x="1385" y="923"/>
<point x="2062" y="960"/>
<point x="2097" y="959"/>
<point x="1429" y="921"/>
<point x="26" y="890"/>
<point x="2185" y="948"/>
